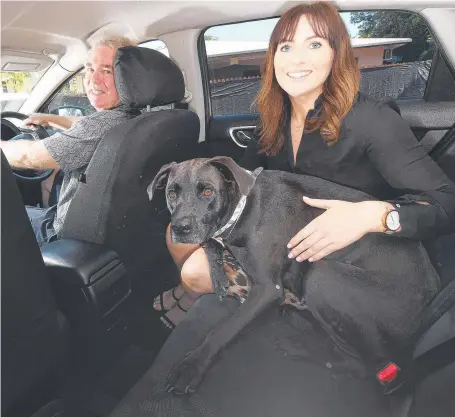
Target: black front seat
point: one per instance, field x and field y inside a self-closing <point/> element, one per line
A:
<point x="34" y="332"/>
<point x="111" y="205"/>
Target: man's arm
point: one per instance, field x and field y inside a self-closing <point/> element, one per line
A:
<point x="52" y="120"/>
<point x="28" y="154"/>
<point x="73" y="120"/>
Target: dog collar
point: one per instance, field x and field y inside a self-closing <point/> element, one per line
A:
<point x="238" y="210"/>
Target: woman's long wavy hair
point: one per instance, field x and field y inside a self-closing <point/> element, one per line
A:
<point x="339" y="90"/>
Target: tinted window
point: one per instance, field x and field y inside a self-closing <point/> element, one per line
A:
<point x="394" y="51"/>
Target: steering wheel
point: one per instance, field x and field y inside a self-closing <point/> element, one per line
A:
<point x="33" y="134"/>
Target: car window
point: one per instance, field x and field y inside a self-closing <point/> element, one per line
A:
<point x="394" y="51"/>
<point x="156" y="44"/>
<point x="71" y="98"/>
<point x="16" y="87"/>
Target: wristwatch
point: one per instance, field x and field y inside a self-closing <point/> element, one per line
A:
<point x="391" y="221"/>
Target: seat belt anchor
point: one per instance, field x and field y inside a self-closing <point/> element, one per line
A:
<point x="82" y="177"/>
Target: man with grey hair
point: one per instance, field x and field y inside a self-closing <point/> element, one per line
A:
<point x="71" y="150"/>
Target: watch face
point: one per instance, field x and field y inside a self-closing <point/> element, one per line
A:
<point x="393" y="220"/>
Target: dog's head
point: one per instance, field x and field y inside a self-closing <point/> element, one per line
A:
<point x="201" y="195"/>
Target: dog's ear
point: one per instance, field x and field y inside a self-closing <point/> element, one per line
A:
<point x="160" y="178"/>
<point x="243" y="179"/>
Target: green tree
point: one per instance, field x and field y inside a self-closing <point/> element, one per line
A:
<point x="210" y="38"/>
<point x="387" y="24"/>
<point x="69" y="89"/>
<point x="15" y="80"/>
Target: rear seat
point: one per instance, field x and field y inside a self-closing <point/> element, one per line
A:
<point x="252" y="377"/>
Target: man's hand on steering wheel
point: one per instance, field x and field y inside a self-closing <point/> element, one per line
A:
<point x="37" y="119"/>
<point x="23" y="173"/>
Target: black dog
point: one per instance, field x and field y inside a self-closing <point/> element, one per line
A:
<point x="368" y="297"/>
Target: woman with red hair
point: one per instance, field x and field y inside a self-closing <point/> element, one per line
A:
<point x="314" y="121"/>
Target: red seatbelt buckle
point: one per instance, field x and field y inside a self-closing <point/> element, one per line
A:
<point x="388" y="373"/>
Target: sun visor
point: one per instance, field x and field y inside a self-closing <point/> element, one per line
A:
<point x="22" y="61"/>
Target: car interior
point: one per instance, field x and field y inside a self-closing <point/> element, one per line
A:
<point x="80" y="336"/>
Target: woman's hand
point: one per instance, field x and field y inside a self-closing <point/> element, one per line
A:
<point x="340" y="225"/>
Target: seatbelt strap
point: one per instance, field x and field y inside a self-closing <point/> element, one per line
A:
<point x="393" y="377"/>
<point x="438" y="149"/>
<point x="433" y="360"/>
<point x="431" y="139"/>
<point x="423" y="366"/>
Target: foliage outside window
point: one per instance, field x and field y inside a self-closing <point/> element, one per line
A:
<point x="16" y="86"/>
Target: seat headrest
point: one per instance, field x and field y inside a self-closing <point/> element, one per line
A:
<point x="147" y="77"/>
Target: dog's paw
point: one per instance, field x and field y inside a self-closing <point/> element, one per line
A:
<point x="187" y="374"/>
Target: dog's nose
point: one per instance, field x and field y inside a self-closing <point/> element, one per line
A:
<point x="182" y="227"/>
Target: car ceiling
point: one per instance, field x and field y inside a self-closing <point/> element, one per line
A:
<point x="58" y="25"/>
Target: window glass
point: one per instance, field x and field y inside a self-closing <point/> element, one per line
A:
<point x="16" y="87"/>
<point x="157" y="45"/>
<point x="71" y="99"/>
<point x="393" y="49"/>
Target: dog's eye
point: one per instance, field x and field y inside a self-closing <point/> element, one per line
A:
<point x="207" y="192"/>
<point x="172" y="195"/>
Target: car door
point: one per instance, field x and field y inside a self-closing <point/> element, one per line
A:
<point x="397" y="60"/>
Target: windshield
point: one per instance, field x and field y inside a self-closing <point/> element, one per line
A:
<point x="16" y="87"/>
